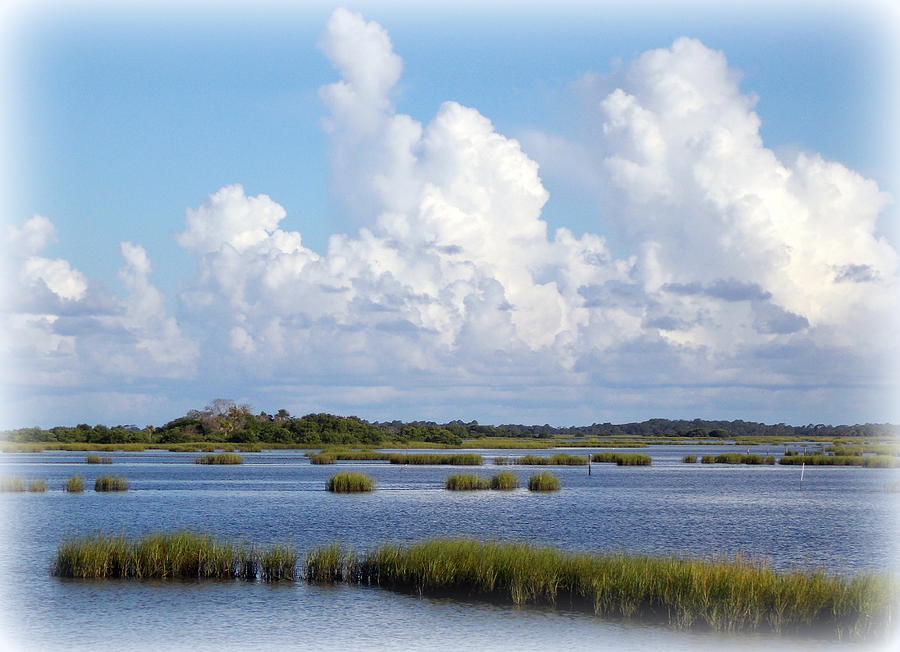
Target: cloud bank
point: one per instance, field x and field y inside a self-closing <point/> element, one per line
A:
<point x="749" y="276"/>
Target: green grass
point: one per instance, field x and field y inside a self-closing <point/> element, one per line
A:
<point x="466" y="482"/>
<point x="328" y="564"/>
<point x="737" y="458"/>
<point x="508" y="442"/>
<point x="320" y="458"/>
<point x="722" y="595"/>
<point x="37" y="486"/>
<point x="170" y="556"/>
<point x="75" y="484"/>
<point x="454" y="459"/>
<point x="111" y="483"/>
<point x="543" y="481"/>
<point x="219" y="458"/>
<point x="504" y="460"/>
<point x="347" y="482"/>
<point x="868" y="461"/>
<point x="12" y="484"/>
<point x="689" y="459"/>
<point x="98" y="459"/>
<point x="504" y="480"/>
<point x="622" y="459"/>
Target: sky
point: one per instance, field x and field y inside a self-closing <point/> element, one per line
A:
<point x="558" y="213"/>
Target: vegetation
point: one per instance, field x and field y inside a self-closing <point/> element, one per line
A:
<point x="220" y="458"/>
<point x="320" y="458"/>
<point x="737" y="458"/>
<point x="559" y="459"/>
<point x="503" y="460"/>
<point x="466" y="482"/>
<point x="869" y="461"/>
<point x="98" y="459"/>
<point x="170" y="556"/>
<point x="454" y="459"/>
<point x="349" y="482"/>
<point x="689" y="459"/>
<point x="75" y="484"/>
<point x="543" y="481"/>
<point x="504" y="480"/>
<point x="720" y="595"/>
<point x="623" y="459"/>
<point x="111" y="483"/>
<point x="37" y="486"/>
<point x="12" y="484"/>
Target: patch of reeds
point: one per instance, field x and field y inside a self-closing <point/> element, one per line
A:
<point x="868" y="461"/>
<point x="721" y="595"/>
<point x="12" y="484"/>
<point x="74" y="485"/>
<point x="37" y="486"/>
<point x="738" y="458"/>
<point x="171" y="556"/>
<point x="543" y="481"/>
<point x="219" y="458"/>
<point x="504" y="480"/>
<point x="329" y="564"/>
<point x="98" y="459"/>
<point x="622" y="459"/>
<point x="111" y="483"/>
<point x="320" y="458"/>
<point x="508" y="442"/>
<point x="454" y="459"/>
<point x="466" y="482"/>
<point x="347" y="482"/>
<point x="504" y="460"/>
<point x="689" y="459"/>
<point x="533" y="460"/>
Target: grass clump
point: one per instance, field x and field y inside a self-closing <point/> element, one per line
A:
<point x="622" y="459"/>
<point x="868" y="461"/>
<point x="278" y="563"/>
<point x="349" y="482"/>
<point x="320" y="458"/>
<point x="738" y="458"/>
<point x="37" y="486"/>
<point x="504" y="480"/>
<point x="328" y="564"/>
<point x="74" y="485"/>
<point x="98" y="459"/>
<point x="111" y="483"/>
<point x="12" y="484"/>
<point x="219" y="458"/>
<point x="721" y="595"/>
<point x="533" y="460"/>
<point x="689" y="459"/>
<point x="466" y="482"/>
<point x="454" y="459"/>
<point x="543" y="481"/>
<point x="504" y="460"/>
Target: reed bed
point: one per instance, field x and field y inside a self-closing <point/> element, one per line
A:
<point x="504" y="460"/>
<point x="738" y="458"/>
<point x="466" y="482"/>
<point x="454" y="459"/>
<point x="862" y="449"/>
<point x="171" y="556"/>
<point x="868" y="461"/>
<point x="74" y="485"/>
<point x="508" y="442"/>
<point x="504" y="480"/>
<point x="361" y="455"/>
<point x="721" y="595"/>
<point x="622" y="459"/>
<point x="609" y="443"/>
<point x="321" y="458"/>
<point x="219" y="458"/>
<point x="347" y="482"/>
<point x="543" y="481"/>
<point x="37" y="486"/>
<point x="111" y="483"/>
<point x="689" y="459"/>
<point x="12" y="484"/>
<point x="558" y="459"/>
<point x="98" y="459"/>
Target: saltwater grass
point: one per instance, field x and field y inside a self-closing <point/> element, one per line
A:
<point x="689" y="459"/>
<point x="737" y="458"/>
<point x="329" y="564"/>
<point x="543" y="481"/>
<point x="320" y="458"/>
<point x="504" y="460"/>
<point x="98" y="459"/>
<point x="622" y="459"/>
<point x="330" y="455"/>
<point x="454" y="459"/>
<point x="508" y="442"/>
<point x="868" y="461"/>
<point x="37" y="486"/>
<point x="504" y="480"/>
<point x="466" y="482"/>
<point x="721" y="595"/>
<point x="347" y="482"/>
<point x="12" y="484"/>
<point x="75" y="484"/>
<point x="170" y="556"/>
<point x="219" y="458"/>
<point x="111" y="483"/>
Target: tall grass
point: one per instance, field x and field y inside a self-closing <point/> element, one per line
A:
<point x="98" y="459"/>
<point x="349" y="482"/>
<point x="12" y="484"/>
<point x="466" y="482"/>
<point x="37" y="486"/>
<point x="171" y="555"/>
<point x="75" y="484"/>
<point x="455" y="459"/>
<point x="558" y="459"/>
<point x="689" y="459"/>
<point x="868" y="461"/>
<point x="504" y="480"/>
<point x="111" y="483"/>
<point x="328" y="564"/>
<point x="320" y="458"/>
<point x="504" y="460"/>
<point x="721" y="595"/>
<point x="622" y="459"/>
<point x="738" y="458"/>
<point x="219" y="458"/>
<point x="543" y="481"/>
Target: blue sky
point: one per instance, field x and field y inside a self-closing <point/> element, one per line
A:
<point x="126" y="119"/>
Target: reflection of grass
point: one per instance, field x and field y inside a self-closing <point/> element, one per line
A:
<point x="721" y="595"/>
<point x="543" y="481"/>
<point x="466" y="482"/>
<point x="348" y="482"/>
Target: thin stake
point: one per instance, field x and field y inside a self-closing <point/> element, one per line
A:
<point x="802" y="468"/>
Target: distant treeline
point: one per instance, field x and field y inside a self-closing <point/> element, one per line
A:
<point x="225" y="421"/>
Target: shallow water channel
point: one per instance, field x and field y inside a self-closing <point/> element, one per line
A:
<point x="838" y="518"/>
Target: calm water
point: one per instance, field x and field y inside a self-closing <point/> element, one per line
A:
<point x="839" y="519"/>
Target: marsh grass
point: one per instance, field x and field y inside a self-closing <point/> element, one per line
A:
<point x="738" y="458"/>
<point x="543" y="481"/>
<point x="328" y="456"/>
<point x="329" y="564"/>
<point x="170" y="556"/>
<point x="98" y="459"/>
<point x="347" y="482"/>
<point x="504" y="460"/>
<point x="454" y="459"/>
<point x="111" y="483"/>
<point x="508" y="442"/>
<point x="219" y="458"/>
<point x="622" y="459"/>
<point x="37" y="486"/>
<point x="466" y="482"/>
<point x="320" y="458"/>
<point x="722" y="595"/>
<point x="504" y="480"/>
<point x="12" y="484"/>
<point x="74" y="485"/>
<point x="558" y="459"/>
<point x="868" y="461"/>
<point x="689" y="459"/>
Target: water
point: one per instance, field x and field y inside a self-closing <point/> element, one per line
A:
<point x="838" y="518"/>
